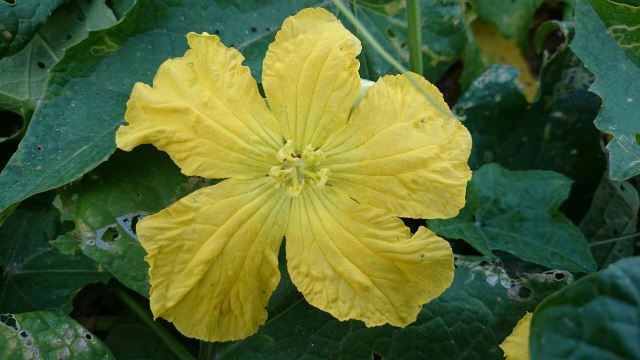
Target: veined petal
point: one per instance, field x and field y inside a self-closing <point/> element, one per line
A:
<point x="399" y="153"/>
<point x="205" y="111"/>
<point x="213" y="258"/>
<point x="310" y="76"/>
<point x="516" y="345"/>
<point x="356" y="262"/>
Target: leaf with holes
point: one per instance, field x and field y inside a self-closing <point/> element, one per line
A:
<point x="36" y="276"/>
<point x="613" y="213"/>
<point x="20" y="20"/>
<point x="468" y="321"/>
<point x="607" y="40"/>
<point x="47" y="335"/>
<point x="595" y="318"/>
<point x="517" y="212"/>
<point x="23" y="75"/>
<point x="73" y="130"/>
<point x="108" y="202"/>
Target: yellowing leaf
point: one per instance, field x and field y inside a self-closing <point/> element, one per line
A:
<point x="507" y="52"/>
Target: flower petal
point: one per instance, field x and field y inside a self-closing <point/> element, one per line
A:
<point x="516" y="345"/>
<point x="399" y="153"/>
<point x="355" y="262"/>
<point x="204" y="109"/>
<point x="310" y="76"/>
<point x="213" y="258"/>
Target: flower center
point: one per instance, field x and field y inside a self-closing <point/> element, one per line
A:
<point x="297" y="169"/>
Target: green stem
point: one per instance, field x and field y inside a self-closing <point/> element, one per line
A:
<point x="206" y="350"/>
<point x="170" y="342"/>
<point x="615" y="239"/>
<point x="375" y="45"/>
<point x="415" y="36"/>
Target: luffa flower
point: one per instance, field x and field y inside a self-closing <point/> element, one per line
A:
<point x="516" y="345"/>
<point x="302" y="165"/>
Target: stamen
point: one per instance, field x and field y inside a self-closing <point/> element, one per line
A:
<point x="296" y="169"/>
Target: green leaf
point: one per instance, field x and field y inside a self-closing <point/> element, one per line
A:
<point x="467" y="322"/>
<point x="613" y="213"/>
<point x="35" y="276"/>
<point x="512" y="18"/>
<point x="108" y="202"/>
<point x="47" y="335"/>
<point x="443" y="38"/>
<point x="23" y="75"/>
<point x="556" y="132"/>
<point x="73" y="130"/>
<point x="607" y="39"/>
<point x="517" y="212"/>
<point x="19" y="22"/>
<point x="595" y="318"/>
<point x="130" y="339"/>
<point x="120" y="7"/>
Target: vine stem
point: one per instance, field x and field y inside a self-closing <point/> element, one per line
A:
<point x="375" y="45"/>
<point x="615" y="239"/>
<point x="415" y="36"/>
<point x="165" y="336"/>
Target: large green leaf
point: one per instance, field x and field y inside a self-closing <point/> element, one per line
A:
<point x="607" y="40"/>
<point x="443" y="38"/>
<point x="613" y="213"/>
<point x="467" y="322"/>
<point x="598" y="317"/>
<point x="35" y="276"/>
<point x="517" y="212"/>
<point x="556" y="132"/>
<point x="20" y="20"/>
<point x="73" y="129"/>
<point x="23" y="75"/>
<point x="107" y="203"/>
<point x="47" y="335"/>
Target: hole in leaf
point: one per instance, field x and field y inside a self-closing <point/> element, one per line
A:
<point x="87" y="336"/>
<point x="254" y="29"/>
<point x="108" y="234"/>
<point x="69" y="37"/>
<point x="10" y="2"/>
<point x="376" y="356"/>
<point x="217" y="32"/>
<point x="40" y="64"/>
<point x="559" y="276"/>
<point x="9" y="320"/>
<point x="524" y="292"/>
<point x="39" y="147"/>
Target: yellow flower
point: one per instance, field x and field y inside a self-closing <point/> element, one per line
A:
<point x="516" y="345"/>
<point x="298" y="165"/>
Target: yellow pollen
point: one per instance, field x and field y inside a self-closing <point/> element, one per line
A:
<point x="297" y="169"/>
